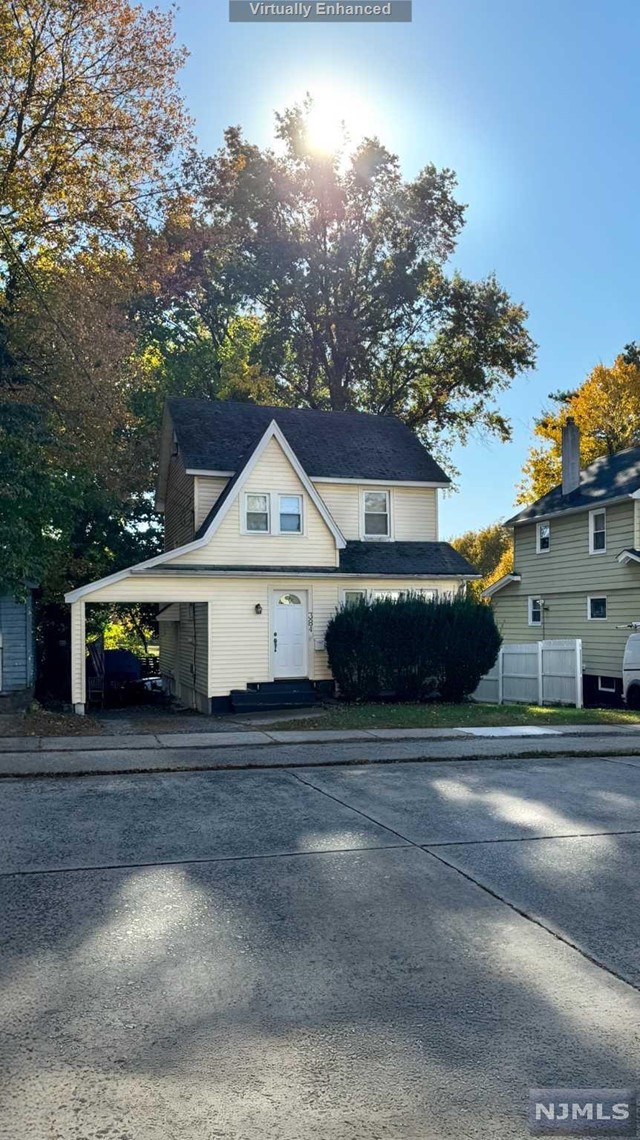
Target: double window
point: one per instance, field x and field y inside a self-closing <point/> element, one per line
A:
<point x="354" y="597"/>
<point x="597" y="532"/>
<point x="376" y="515"/>
<point x="272" y="514"/>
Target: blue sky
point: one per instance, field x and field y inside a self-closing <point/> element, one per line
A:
<point x="535" y="105"/>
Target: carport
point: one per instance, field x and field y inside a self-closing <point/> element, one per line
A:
<point x="183" y="603"/>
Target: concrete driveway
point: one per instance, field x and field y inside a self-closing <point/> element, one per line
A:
<point x="370" y="953"/>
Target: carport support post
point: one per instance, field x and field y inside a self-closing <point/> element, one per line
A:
<point x="78" y="658"/>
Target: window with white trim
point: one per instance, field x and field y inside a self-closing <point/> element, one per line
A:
<point x="597" y="608"/>
<point x="376" y="514"/>
<point x="354" y="597"/>
<point x="535" y="611"/>
<point x="543" y="537"/>
<point x="257" y="512"/>
<point x="390" y="595"/>
<point x="290" y="514"/>
<point x="597" y="532"/>
<point x="607" y="684"/>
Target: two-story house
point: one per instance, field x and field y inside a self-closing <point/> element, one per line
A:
<point x="576" y="565"/>
<point x="274" y="517"/>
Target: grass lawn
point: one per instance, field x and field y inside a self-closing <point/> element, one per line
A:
<point x="470" y="715"/>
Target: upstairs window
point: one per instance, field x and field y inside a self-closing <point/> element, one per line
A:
<point x="257" y="514"/>
<point x="376" y="514"/>
<point x="543" y="537"/>
<point x="291" y="514"/>
<point x="597" y="532"/>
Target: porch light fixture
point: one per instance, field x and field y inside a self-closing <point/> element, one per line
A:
<point x="258" y="608"/>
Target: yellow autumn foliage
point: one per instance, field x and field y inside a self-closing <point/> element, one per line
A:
<point x="606" y="409"/>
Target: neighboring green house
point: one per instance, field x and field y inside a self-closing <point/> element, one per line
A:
<point x="577" y="565"/>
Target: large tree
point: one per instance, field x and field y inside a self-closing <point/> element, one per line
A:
<point x="490" y="550"/>
<point x="91" y="125"/>
<point x="606" y="408"/>
<point x="345" y="262"/>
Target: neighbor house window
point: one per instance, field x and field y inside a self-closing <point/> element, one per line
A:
<point x="596" y="609"/>
<point x="354" y="597"/>
<point x="607" y="684"/>
<point x="543" y="537"/>
<point x="376" y="514"/>
<point x="535" y="611"/>
<point x="291" y="514"/>
<point x="392" y="595"/>
<point x="597" y="532"/>
<point x="257" y="513"/>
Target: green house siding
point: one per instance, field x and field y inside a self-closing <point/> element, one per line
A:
<point x="565" y="576"/>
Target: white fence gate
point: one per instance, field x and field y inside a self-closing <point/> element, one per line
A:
<point x="535" y="673"/>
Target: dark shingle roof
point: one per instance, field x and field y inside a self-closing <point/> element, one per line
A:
<point x="609" y="477"/>
<point x="377" y="559"/>
<point x="214" y="435"/>
<point x="403" y="558"/>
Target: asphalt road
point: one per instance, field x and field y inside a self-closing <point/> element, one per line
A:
<point x="395" y="952"/>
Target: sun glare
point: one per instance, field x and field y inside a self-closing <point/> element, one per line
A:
<point x="338" y="117"/>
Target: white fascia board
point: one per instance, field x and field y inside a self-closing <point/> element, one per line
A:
<point x="379" y="482"/>
<point x="500" y="584"/>
<point x="296" y="572"/>
<point x="272" y="432"/>
<point x="218" y="474"/>
<point x="627" y="556"/>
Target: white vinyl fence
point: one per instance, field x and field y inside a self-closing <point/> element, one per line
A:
<point x="535" y="673"/>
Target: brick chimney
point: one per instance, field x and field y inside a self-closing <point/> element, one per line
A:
<point x="570" y="457"/>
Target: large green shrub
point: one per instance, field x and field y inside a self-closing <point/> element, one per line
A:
<point x="468" y="643"/>
<point x="408" y="647"/>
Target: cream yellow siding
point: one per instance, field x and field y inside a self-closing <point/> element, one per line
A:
<point x="414" y="514"/>
<point x="240" y="639"/>
<point x="565" y="576"/>
<point x="207" y="491"/>
<point x="413" y="510"/>
<point x="168" y="639"/>
<point x="273" y="474"/>
<point x="179" y="509"/>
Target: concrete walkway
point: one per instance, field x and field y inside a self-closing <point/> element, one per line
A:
<point x="77" y="755"/>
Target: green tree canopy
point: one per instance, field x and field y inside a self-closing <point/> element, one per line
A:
<point x="345" y="262"/>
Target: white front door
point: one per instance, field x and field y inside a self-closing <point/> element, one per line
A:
<point x="289" y="633"/>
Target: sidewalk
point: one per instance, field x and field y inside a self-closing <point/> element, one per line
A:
<point x="167" y="752"/>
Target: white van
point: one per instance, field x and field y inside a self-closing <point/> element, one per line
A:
<point x="631" y="672"/>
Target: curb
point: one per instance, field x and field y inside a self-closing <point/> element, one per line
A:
<point x="219" y="765"/>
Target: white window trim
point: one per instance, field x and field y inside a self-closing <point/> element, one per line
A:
<point x="276" y="517"/>
<point x="376" y="537"/>
<point x="530" y="602"/>
<point x="542" y="549"/>
<point x="243" y="521"/>
<point x="597" y="598"/>
<point x="370" y="591"/>
<point x="607" y="688"/>
<point x="592" y="515"/>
